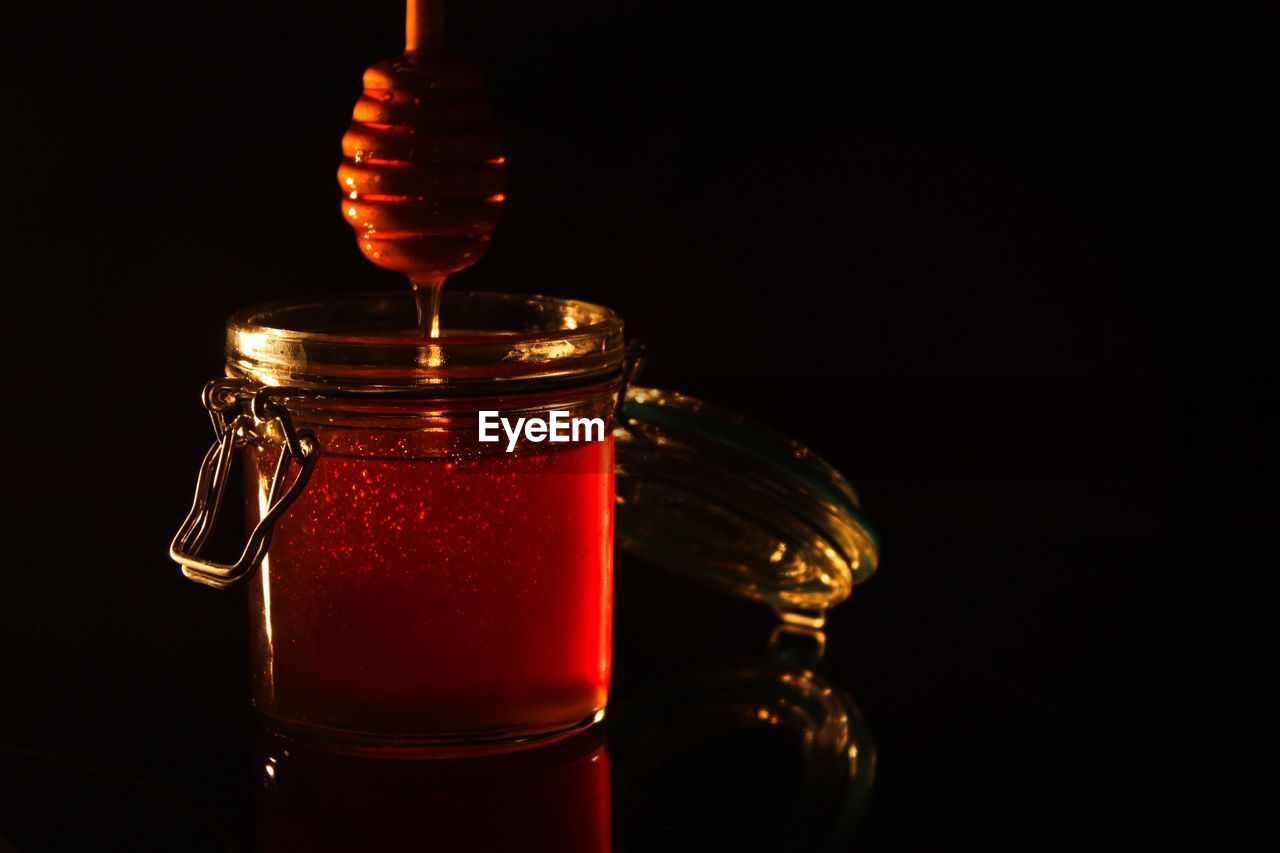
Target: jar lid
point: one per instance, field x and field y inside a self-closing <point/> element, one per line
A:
<point x="706" y="492"/>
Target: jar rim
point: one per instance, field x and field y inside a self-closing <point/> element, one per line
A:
<point x="370" y="340"/>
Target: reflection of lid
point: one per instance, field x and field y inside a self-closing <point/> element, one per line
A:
<point x="707" y="492"/>
<point x="695" y="747"/>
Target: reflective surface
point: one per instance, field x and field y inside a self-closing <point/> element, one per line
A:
<point x="695" y="749"/>
<point x="554" y="797"/>
<point x="700" y="752"/>
<point x="713" y="741"/>
<point x="755" y="754"/>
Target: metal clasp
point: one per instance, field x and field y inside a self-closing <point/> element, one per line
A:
<point x="632" y="363"/>
<point x="260" y="418"/>
<point x="799" y="636"/>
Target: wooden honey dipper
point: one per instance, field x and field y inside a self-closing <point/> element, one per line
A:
<point x="422" y="168"/>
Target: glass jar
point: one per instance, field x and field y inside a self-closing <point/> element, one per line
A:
<point x="425" y="586"/>
<point x="421" y="581"/>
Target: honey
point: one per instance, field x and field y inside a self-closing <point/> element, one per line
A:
<point x="466" y="597"/>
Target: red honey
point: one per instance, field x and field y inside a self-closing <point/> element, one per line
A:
<point x="466" y="597"/>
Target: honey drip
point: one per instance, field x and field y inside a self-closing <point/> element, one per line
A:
<point x="422" y="171"/>
<point x="426" y="299"/>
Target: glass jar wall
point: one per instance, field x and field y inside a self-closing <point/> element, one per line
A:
<point x="427" y="587"/>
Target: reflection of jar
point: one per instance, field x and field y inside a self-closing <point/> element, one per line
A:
<point x="420" y="586"/>
<point x="554" y="798"/>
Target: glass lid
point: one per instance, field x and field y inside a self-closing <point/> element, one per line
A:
<point x="705" y="492"/>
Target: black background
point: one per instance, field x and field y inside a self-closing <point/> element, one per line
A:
<point x="1007" y="268"/>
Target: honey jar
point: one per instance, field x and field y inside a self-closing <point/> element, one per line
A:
<point x="430" y="562"/>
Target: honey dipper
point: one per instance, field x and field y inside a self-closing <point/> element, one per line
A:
<point x="422" y="168"/>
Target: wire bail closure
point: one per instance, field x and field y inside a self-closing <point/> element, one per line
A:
<point x="262" y="418"/>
